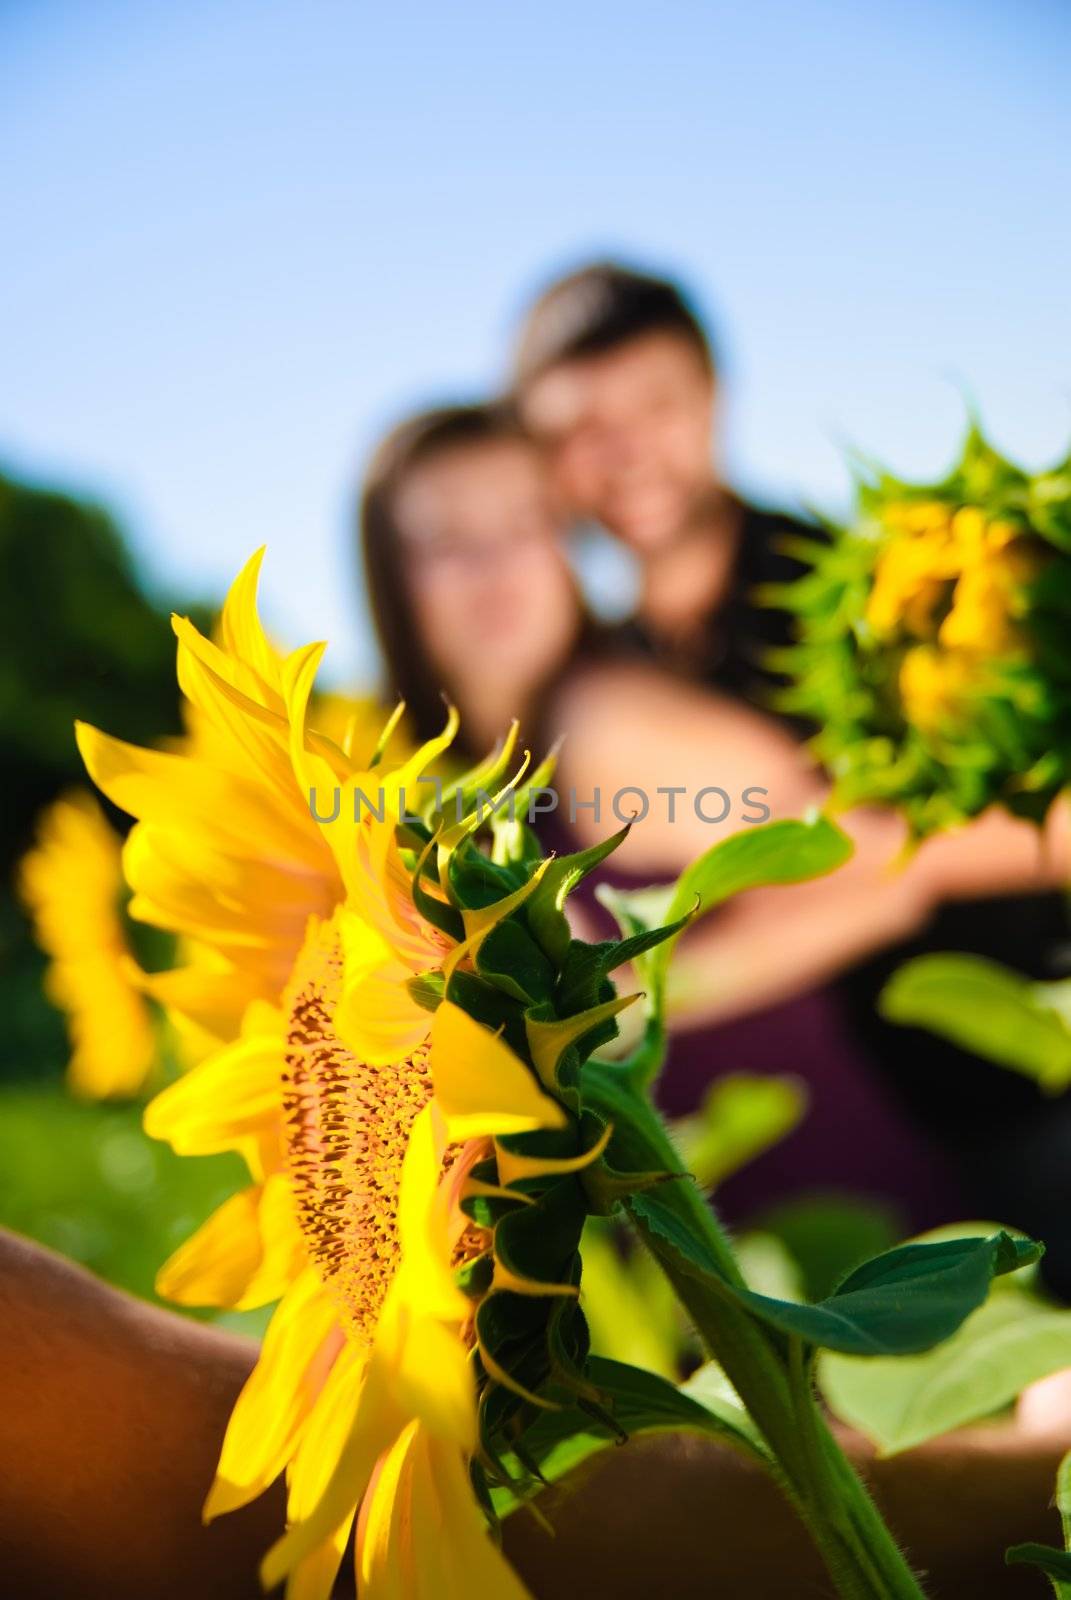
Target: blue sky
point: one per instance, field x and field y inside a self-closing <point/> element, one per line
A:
<point x="241" y="238"/>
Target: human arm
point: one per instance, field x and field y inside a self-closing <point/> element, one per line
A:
<point x="701" y="1521"/>
<point x="111" y="1418"/>
<point x="629" y="727"/>
<point x="772" y="944"/>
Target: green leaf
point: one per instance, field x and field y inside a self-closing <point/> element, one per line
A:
<point x="986" y="1009"/>
<point x="1008" y="1343"/>
<point x="782" y="852"/>
<point x="827" y="1235"/>
<point x="786" y="851"/>
<point x="742" y="1115"/>
<point x="902" y="1302"/>
<point x="630" y="1307"/>
<point x="1056" y="1564"/>
<point x="639" y="1402"/>
<point x="668" y="1220"/>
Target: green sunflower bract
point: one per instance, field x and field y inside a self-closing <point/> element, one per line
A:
<point x="934" y="641"/>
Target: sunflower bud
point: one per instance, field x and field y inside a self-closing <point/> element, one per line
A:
<point x="932" y="642"/>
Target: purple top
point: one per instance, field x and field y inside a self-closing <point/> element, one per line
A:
<point x="853" y="1136"/>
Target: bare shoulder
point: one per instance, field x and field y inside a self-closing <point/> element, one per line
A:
<point x="610" y="702"/>
<point x="636" y="692"/>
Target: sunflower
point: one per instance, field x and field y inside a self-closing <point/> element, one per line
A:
<point x="399" y="1018"/>
<point x="932" y="646"/>
<point x="71" y="882"/>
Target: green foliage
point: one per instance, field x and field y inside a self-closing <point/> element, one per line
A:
<point x="742" y="1115"/>
<point x="782" y="852"/>
<point x="85" y="1180"/>
<point x="1014" y="747"/>
<point x="1056" y="1564"/>
<point x="78" y="637"/>
<point x="906" y="1300"/>
<point x="787" y="851"/>
<point x="630" y="1402"/>
<point x="631" y="1310"/>
<point x="828" y="1235"/>
<point x="1011" y="1341"/>
<point x="988" y="1010"/>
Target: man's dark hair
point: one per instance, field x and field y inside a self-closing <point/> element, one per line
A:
<point x="599" y="308"/>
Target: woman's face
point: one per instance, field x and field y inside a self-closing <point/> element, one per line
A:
<point x="489" y="585"/>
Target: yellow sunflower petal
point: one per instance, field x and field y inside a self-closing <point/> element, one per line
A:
<point x="417" y="1334"/>
<point x="212" y="1001"/>
<point x="317" y="779"/>
<point x="481" y="1086"/>
<point x="240" y="626"/>
<point x="71" y="884"/>
<point x="314" y="1578"/>
<point x="179" y="792"/>
<point x="322" y="1440"/>
<point x="226" y="691"/>
<point x="180" y="880"/>
<point x="300" y="1346"/>
<point x="418" y="1368"/>
<point x="422" y="1535"/>
<point x="329" y="1426"/>
<point x="213" y="1266"/>
<point x="471" y="1562"/>
<point x="379" y="1019"/>
<point x="378" y="1422"/>
<point x="247" y="1254"/>
<point x="432" y="1377"/>
<point x="233" y="1096"/>
<point x="386" y="1567"/>
<point x="368" y="856"/>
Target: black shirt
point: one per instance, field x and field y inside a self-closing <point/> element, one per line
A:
<point x="726" y="651"/>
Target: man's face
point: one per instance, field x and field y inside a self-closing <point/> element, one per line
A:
<point x="628" y="436"/>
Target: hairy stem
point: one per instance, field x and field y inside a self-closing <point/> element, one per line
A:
<point x="770" y="1373"/>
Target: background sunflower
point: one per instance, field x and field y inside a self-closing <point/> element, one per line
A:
<point x="934" y="641"/>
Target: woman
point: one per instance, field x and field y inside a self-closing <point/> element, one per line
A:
<point x="471" y="596"/>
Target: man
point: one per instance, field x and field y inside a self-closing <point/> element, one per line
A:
<point x="616" y="377"/>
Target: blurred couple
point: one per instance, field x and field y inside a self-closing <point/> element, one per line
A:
<point x="466" y="511"/>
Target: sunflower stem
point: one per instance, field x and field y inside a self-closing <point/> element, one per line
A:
<point x="772" y="1377"/>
